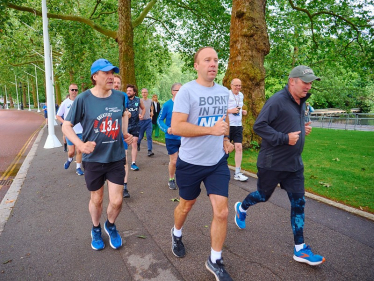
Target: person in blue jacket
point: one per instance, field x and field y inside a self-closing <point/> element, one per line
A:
<point x="173" y="142"/>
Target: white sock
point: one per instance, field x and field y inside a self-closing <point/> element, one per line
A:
<point x="70" y="159"/>
<point x="177" y="232"/>
<point x="241" y="209"/>
<point x="237" y="170"/>
<point x="299" y="247"/>
<point x="78" y="165"/>
<point x="214" y="255"/>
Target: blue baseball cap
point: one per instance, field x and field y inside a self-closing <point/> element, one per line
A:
<point x="103" y="65"/>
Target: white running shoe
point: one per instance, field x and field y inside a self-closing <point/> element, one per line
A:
<point x="240" y="177"/>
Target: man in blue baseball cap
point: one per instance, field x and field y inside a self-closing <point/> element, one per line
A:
<point x="101" y="112"/>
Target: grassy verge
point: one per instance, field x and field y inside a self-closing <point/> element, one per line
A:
<point x="339" y="165"/>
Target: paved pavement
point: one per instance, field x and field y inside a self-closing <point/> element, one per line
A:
<point x="47" y="236"/>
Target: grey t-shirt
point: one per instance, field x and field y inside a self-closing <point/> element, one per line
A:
<point x="147" y="107"/>
<point x="101" y="119"/>
<point x="204" y="106"/>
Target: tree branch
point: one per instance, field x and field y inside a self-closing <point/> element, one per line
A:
<point x="102" y="30"/>
<point x="104" y="13"/>
<point x="311" y="16"/>
<point x="94" y="10"/>
<point x="163" y="24"/>
<point x="143" y="14"/>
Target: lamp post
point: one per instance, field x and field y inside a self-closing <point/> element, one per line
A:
<point x="36" y="82"/>
<point x="15" y="78"/>
<point x="52" y="141"/>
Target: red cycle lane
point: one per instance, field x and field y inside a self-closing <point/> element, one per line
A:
<point x="18" y="130"/>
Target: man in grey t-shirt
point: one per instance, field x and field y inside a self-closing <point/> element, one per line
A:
<point x="200" y="118"/>
<point x="145" y="122"/>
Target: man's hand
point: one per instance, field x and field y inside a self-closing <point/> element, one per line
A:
<point x="87" y="147"/>
<point x="169" y="131"/>
<point x="244" y="112"/>
<point x="293" y="137"/>
<point x="141" y="116"/>
<point x="221" y="127"/>
<point x="128" y="138"/>
<point x="227" y="146"/>
<point x="308" y="128"/>
<point x="128" y="114"/>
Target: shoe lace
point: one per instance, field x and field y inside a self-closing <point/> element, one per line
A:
<point x="178" y="242"/>
<point x="221" y="267"/>
<point x="96" y="234"/>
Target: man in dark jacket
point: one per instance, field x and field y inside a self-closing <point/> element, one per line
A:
<point x="282" y="128"/>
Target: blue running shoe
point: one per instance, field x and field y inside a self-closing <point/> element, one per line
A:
<point x="239" y="216"/>
<point x="67" y="164"/>
<point x="134" y="167"/>
<point x="79" y="172"/>
<point x="115" y="239"/>
<point x="97" y="241"/>
<point x="306" y="255"/>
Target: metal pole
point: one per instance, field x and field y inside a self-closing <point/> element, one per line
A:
<point x="52" y="141"/>
<point x="53" y="88"/>
<point x="15" y="77"/>
<point x="37" y="91"/>
<point x="28" y="92"/>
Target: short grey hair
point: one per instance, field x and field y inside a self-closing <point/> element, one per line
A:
<point x="174" y="85"/>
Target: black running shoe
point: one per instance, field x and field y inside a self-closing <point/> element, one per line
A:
<point x="150" y="153"/>
<point x="218" y="269"/>
<point x="138" y="145"/>
<point x="177" y="246"/>
<point x="126" y="193"/>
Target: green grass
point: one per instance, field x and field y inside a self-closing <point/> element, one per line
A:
<point x="339" y="165"/>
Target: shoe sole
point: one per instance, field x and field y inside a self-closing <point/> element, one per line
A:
<point x="172" y="246"/>
<point x="207" y="267"/>
<point x="308" y="262"/>
<point x="236" y="213"/>
<point x="134" y="169"/>
<point x="110" y="242"/>
<point x="79" y="174"/>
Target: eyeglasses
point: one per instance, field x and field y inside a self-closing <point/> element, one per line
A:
<point x="175" y="90"/>
<point x="74" y="90"/>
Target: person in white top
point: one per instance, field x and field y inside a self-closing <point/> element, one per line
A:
<point x="236" y="113"/>
<point x="63" y="111"/>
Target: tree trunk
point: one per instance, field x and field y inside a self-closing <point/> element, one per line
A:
<point x="249" y="44"/>
<point x="11" y="104"/>
<point x="125" y="40"/>
<point x="57" y="90"/>
<point x="24" y="100"/>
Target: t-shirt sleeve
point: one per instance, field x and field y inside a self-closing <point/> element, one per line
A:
<point x="61" y="110"/>
<point x="182" y="101"/>
<point x="76" y="112"/>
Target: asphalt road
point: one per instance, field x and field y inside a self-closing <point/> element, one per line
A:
<point x="18" y="129"/>
<point x="47" y="236"/>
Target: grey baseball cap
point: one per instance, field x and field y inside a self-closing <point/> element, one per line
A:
<point x="303" y="72"/>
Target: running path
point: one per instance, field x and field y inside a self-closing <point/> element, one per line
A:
<point x="18" y="129"/>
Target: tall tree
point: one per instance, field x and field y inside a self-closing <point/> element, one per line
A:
<point x="321" y="34"/>
<point x="249" y="44"/>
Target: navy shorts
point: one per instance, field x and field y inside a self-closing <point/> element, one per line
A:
<point x="236" y="134"/>
<point x="96" y="173"/>
<point x="215" y="178"/>
<point x="70" y="143"/>
<point x="172" y="145"/>
<point x="268" y="180"/>
<point x="134" y="131"/>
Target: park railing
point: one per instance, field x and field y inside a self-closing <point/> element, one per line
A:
<point x="344" y="121"/>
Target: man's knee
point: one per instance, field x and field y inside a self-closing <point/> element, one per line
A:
<point x="221" y="213"/>
<point x="238" y="147"/>
<point x="185" y="206"/>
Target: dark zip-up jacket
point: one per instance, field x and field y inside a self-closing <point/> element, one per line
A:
<point x="281" y="115"/>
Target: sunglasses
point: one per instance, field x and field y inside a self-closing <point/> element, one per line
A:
<point x="74" y="90"/>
